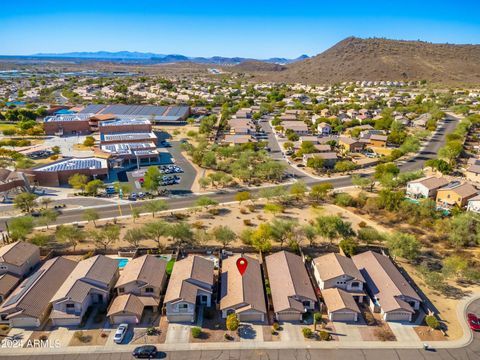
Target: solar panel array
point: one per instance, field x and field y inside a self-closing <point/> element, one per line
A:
<point x="126" y="136"/>
<point x="127" y="148"/>
<point x="74" y="164"/>
<point x="122" y="122"/>
<point x="67" y="117"/>
<point x="172" y="112"/>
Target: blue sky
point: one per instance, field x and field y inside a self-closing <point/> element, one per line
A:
<point x="245" y="28"/>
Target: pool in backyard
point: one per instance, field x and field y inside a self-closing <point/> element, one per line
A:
<point x="122" y="262"/>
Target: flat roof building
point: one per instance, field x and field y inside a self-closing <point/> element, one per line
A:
<point x="67" y="124"/>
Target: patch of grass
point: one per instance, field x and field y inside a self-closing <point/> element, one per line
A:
<point x="169" y="266"/>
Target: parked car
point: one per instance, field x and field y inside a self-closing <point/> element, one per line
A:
<point x="473" y="322"/>
<point x="133" y="197"/>
<point x="110" y="190"/>
<point x="145" y="352"/>
<point x="120" y="333"/>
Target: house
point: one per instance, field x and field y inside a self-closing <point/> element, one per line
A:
<point x="139" y="287"/>
<point x="474" y="204"/>
<point x="241" y="126"/>
<point x="324" y="129"/>
<point x="29" y="304"/>
<point x="366" y="134"/>
<point x="89" y="284"/>
<point x="350" y="144"/>
<point x="426" y="187"/>
<point x="16" y="261"/>
<point x="292" y="291"/>
<point x="455" y="194"/>
<point x="242" y="294"/>
<point x="191" y="284"/>
<point x="238" y="139"/>
<point x="389" y="292"/>
<point x="341" y="305"/>
<point x="298" y="127"/>
<point x="473" y="173"/>
<point x="337" y="271"/>
<point x="378" y="140"/>
<point x="329" y="158"/>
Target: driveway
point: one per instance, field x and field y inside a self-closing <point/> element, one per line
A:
<point x="250" y="332"/>
<point x="178" y="334"/>
<point x="404" y="332"/>
<point x="291" y="332"/>
<point x="347" y="332"/>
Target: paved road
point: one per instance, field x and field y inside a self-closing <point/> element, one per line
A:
<point x="469" y="352"/>
<point x="178" y="202"/>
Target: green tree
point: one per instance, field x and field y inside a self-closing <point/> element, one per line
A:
<point x="260" y="238"/>
<point x="181" y="234"/>
<point x="20" y="227"/>
<point x="151" y="179"/>
<point x="348" y="246"/>
<point x="135" y="236"/>
<point x="155" y="206"/>
<point x="331" y="227"/>
<point x="386" y="169"/>
<point x="156" y="230"/>
<point x="47" y="217"/>
<point x="40" y="239"/>
<point x="91" y="215"/>
<point x="89" y="141"/>
<point x="70" y="235"/>
<point x="78" y="181"/>
<point x="93" y="186"/>
<point x="25" y="201"/>
<point x="108" y="235"/>
<point x="454" y="266"/>
<point x="298" y="190"/>
<point x="320" y="191"/>
<point x="224" y="235"/>
<point x="363" y="182"/>
<point x="204" y="201"/>
<point x="242" y="196"/>
<point x="343" y="166"/>
<point x="432" y="322"/>
<point x="310" y="233"/>
<point x="463" y="230"/>
<point x="282" y="231"/>
<point x="273" y="208"/>
<point x="404" y="245"/>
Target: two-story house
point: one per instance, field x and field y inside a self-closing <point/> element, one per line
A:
<point x="292" y="291"/>
<point x="191" y="284"/>
<point x="455" y="194"/>
<point x="242" y="294"/>
<point x="17" y="260"/>
<point x="90" y="284"/>
<point x="139" y="287"/>
<point x="324" y="129"/>
<point x="389" y="292"/>
<point x="341" y="284"/>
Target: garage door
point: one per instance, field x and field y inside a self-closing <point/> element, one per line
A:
<point x="289" y="316"/>
<point x="254" y="317"/>
<point x="180" y="318"/>
<point x="342" y="316"/>
<point x="66" y="322"/>
<point x="124" y="319"/>
<point x="397" y="316"/>
<point x="24" y="322"/>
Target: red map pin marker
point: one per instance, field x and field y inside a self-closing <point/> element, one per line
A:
<point x="242" y="264"/>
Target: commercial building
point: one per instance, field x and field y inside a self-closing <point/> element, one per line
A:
<point x="67" y="124"/>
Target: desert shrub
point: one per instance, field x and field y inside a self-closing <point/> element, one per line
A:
<point x="275" y="326"/>
<point x="251" y="207"/>
<point x="369" y="319"/>
<point x="362" y="224"/>
<point x="317" y="316"/>
<point x="87" y="255"/>
<point x="307" y="332"/>
<point x="344" y="199"/>
<point x="214" y="211"/>
<point x="247" y="222"/>
<point x="325" y="335"/>
<point x="232" y="322"/>
<point x="151" y="331"/>
<point x="196" y="332"/>
<point x="198" y="224"/>
<point x="243" y="211"/>
<point x="384" y="334"/>
<point x="348" y="246"/>
<point x="432" y="321"/>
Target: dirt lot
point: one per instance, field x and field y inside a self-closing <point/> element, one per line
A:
<point x="425" y="333"/>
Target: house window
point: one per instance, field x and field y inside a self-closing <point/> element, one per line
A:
<point x="70" y="306"/>
<point x="306" y="303"/>
<point x="355" y="284"/>
<point x="121" y="290"/>
<point x="183" y="307"/>
<point x="149" y="290"/>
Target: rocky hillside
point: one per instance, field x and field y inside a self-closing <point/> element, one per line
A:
<point x="381" y="59"/>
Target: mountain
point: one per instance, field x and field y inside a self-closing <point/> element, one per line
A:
<point x="374" y="59"/>
<point x="140" y="57"/>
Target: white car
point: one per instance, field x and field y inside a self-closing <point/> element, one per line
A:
<point x="120" y="333"/>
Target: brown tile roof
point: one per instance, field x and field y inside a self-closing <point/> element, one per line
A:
<point x="337" y="299"/>
<point x="32" y="297"/>
<point x="99" y="268"/>
<point x="378" y="137"/>
<point x="432" y="182"/>
<point x="464" y="190"/>
<point x="332" y="265"/>
<point x="17" y="253"/>
<point x="384" y="281"/>
<point x="126" y="304"/>
<point x="246" y="290"/>
<point x="7" y="283"/>
<point x="288" y="280"/>
<point x="147" y="269"/>
<point x="474" y="169"/>
<point x="188" y="276"/>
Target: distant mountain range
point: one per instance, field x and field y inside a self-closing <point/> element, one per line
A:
<point x="141" y="57"/>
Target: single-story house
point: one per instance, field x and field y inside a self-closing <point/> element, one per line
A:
<point x="473" y="173"/>
<point x="242" y="294"/>
<point x="292" y="291"/>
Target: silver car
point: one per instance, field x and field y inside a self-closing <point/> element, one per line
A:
<point x="120" y="333"/>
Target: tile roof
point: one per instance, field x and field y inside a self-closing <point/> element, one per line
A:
<point x="384" y="281"/>
<point x="463" y="190"/>
<point x="7" y="283"/>
<point x="17" y="253"/>
<point x="126" y="304"/>
<point x="86" y="275"/>
<point x="147" y="269"/>
<point x="188" y="276"/>
<point x="288" y="280"/>
<point x="337" y="299"/>
<point x="432" y="182"/>
<point x="237" y="289"/>
<point x="32" y="297"/>
<point x="332" y="265"/>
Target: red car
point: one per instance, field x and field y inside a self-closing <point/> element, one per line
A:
<point x="473" y="322"/>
